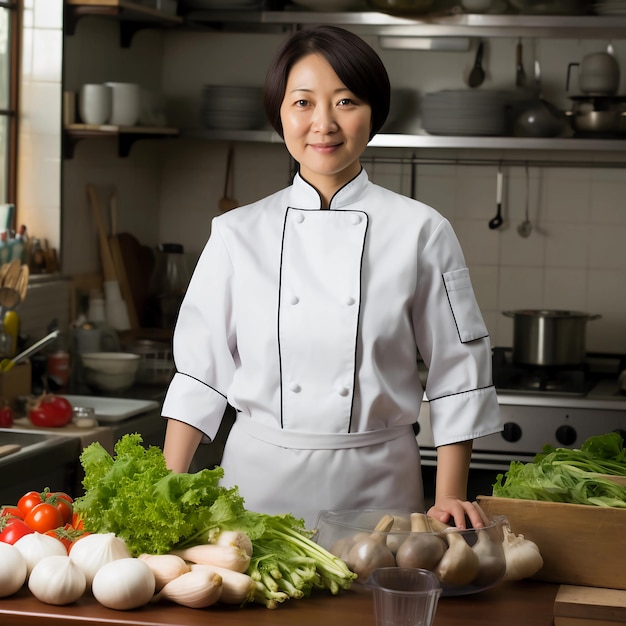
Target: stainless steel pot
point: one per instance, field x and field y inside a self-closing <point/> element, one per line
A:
<point x="549" y="337"/>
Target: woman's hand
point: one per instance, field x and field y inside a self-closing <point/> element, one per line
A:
<point x="451" y="505"/>
<point x="452" y="510"/>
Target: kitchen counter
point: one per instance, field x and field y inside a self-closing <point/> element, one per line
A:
<point x="508" y="604"/>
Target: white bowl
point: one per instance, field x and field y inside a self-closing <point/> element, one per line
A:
<point x="110" y="371"/>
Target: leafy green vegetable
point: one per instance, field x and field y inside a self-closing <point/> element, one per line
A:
<point x="564" y="475"/>
<point x="155" y="510"/>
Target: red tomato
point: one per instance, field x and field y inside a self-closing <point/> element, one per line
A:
<point x="28" y="501"/>
<point x="61" y="502"/>
<point x="51" y="411"/>
<point x="67" y="535"/>
<point x="6" y="416"/>
<point x="11" y="511"/>
<point x="12" y="529"/>
<point x="43" y="517"/>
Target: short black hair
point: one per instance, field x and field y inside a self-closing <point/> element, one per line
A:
<point x="353" y="60"/>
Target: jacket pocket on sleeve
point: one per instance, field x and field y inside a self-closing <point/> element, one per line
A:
<point x="467" y="316"/>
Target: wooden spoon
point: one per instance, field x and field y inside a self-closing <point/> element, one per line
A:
<point x="22" y="282"/>
<point x="227" y="202"/>
<point x="12" y="274"/>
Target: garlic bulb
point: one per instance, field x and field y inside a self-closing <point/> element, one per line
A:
<point x="13" y="570"/>
<point x="36" y="546"/>
<point x="124" y="584"/>
<point x="94" y="551"/>
<point x="57" y="580"/>
<point x="522" y="556"/>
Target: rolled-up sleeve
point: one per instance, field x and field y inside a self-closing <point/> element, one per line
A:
<point x="453" y="341"/>
<point x="204" y="343"/>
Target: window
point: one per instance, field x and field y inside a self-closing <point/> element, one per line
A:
<point x="8" y="99"/>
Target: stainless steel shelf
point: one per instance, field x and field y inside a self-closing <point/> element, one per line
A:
<point x="451" y="25"/>
<point x="433" y="141"/>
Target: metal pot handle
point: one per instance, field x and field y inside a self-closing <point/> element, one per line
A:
<point x="569" y="67"/>
<point x="509" y="313"/>
<point x="595" y="316"/>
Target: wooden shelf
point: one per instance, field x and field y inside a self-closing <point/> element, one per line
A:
<point x="131" y="15"/>
<point x="125" y="135"/>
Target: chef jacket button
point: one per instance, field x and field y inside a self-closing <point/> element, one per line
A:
<point x="350" y="301"/>
<point x="343" y="390"/>
<point x="294" y="387"/>
<point x="294" y="300"/>
<point x="299" y="218"/>
<point x="355" y="219"/>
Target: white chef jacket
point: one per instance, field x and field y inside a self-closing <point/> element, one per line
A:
<point x="309" y="322"/>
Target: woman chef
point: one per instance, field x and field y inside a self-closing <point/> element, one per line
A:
<point x="307" y="309"/>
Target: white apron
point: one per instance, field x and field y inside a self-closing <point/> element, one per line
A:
<point x="308" y="323"/>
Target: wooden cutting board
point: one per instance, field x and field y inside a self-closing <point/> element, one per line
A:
<point x="9" y="448"/>
<point x="138" y="261"/>
<point x="589" y="606"/>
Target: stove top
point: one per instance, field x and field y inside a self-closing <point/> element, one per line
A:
<point x="596" y="379"/>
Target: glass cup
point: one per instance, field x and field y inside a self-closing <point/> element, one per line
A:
<point x="404" y="596"/>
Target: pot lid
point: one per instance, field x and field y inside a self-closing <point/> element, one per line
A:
<point x="550" y="313"/>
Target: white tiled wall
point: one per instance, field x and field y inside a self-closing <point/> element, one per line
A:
<point x="575" y="257"/>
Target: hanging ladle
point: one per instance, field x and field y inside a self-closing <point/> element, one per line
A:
<point x="496" y="221"/>
<point x="526" y="227"/>
<point x="477" y="75"/>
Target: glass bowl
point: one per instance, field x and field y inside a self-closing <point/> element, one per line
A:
<point x="465" y="561"/>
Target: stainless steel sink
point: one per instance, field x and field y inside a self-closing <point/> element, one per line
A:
<point x="44" y="460"/>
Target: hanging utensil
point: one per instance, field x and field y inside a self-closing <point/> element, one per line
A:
<point x="9" y="298"/>
<point x="526" y="227"/>
<point x="477" y="75"/>
<point x="12" y="273"/>
<point x="227" y="202"/>
<point x="520" y="72"/>
<point x="8" y="364"/>
<point x="496" y="221"/>
<point x="22" y="282"/>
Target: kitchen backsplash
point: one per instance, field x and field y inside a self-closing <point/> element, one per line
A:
<point x="575" y="257"/>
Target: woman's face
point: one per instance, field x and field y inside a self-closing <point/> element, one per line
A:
<point x="326" y="127"/>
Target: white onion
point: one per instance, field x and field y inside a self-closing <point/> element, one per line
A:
<point x="36" y="546"/>
<point x="90" y="553"/>
<point x="13" y="570"/>
<point x="124" y="584"/>
<point x="57" y="580"/>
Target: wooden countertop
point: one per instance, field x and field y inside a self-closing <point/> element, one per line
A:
<point x="508" y="604"/>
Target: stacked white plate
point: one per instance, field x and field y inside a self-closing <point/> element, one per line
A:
<point x="465" y="112"/>
<point x="232" y="108"/>
<point x="610" y="7"/>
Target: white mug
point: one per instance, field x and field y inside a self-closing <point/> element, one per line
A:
<point x="94" y="104"/>
<point x="126" y="106"/>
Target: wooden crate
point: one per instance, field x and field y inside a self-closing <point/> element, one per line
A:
<point x="580" y="544"/>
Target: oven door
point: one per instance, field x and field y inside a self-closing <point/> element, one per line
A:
<point x="490" y="457"/>
<point x="483" y="472"/>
